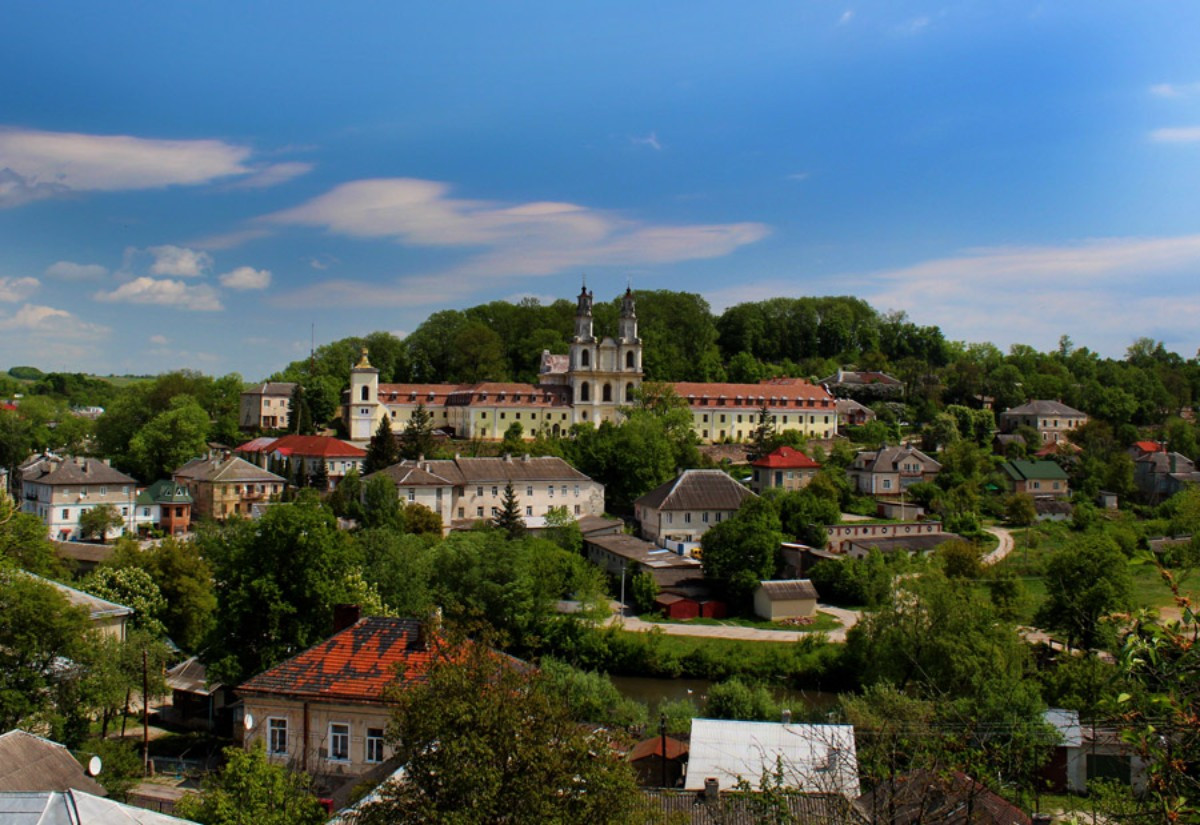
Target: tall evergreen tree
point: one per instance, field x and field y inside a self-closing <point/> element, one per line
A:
<point x="764" y="433"/>
<point x="382" y="451"/>
<point x="300" y="413"/>
<point x="509" y="518"/>
<point x="417" y="439"/>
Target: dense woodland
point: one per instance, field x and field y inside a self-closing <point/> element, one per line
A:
<point x="936" y="676"/>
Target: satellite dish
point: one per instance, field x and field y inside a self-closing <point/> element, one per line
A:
<point x="248" y="721"/>
<point x="94" y="766"/>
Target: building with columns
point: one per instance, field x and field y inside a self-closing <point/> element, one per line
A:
<point x="597" y="377"/>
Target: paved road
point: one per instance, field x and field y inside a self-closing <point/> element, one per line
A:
<point x="848" y="618"/>
<point x="1002" y="549"/>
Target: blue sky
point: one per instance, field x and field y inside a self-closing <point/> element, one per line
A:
<point x="196" y="185"/>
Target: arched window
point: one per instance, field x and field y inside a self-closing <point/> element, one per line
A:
<point x="366" y="393"/>
<point x="585" y="391"/>
<point x="584" y="358"/>
<point x="608" y="392"/>
<point x="629" y="393"/>
<point x="629" y="359"/>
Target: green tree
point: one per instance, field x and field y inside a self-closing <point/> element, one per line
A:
<point x="400" y="567"/>
<point x="764" y="432"/>
<point x="24" y="542"/>
<point x="99" y="521"/>
<point x="184" y="579"/>
<point x="513" y="442"/>
<point x="300" y="416"/>
<point x="420" y="520"/>
<point x="134" y="588"/>
<point x="346" y="499"/>
<point x="508" y="518"/>
<point x="1019" y="510"/>
<point x="1085" y="583"/>
<point x="382" y="450"/>
<point x="591" y="696"/>
<point x="277" y="580"/>
<point x="643" y="590"/>
<point x="533" y="761"/>
<point x="381" y="503"/>
<point x="170" y="439"/>
<point x="563" y="529"/>
<point x="741" y="551"/>
<point x="417" y="439"/>
<point x="735" y="699"/>
<point x="249" y="790"/>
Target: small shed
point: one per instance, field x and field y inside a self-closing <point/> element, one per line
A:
<point x="647" y="758"/>
<point x="785" y="599"/>
<point x="674" y="606"/>
<point x="712" y="608"/>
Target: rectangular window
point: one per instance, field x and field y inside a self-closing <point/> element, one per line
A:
<point x="495" y="492"/>
<point x="339" y="741"/>
<point x="462" y="512"/>
<point x="529" y="489"/>
<point x="705" y="517"/>
<point x="125" y="510"/>
<point x="145" y="512"/>
<point x="722" y="418"/>
<point x="412" y="494"/>
<point x="374" y="744"/>
<point x="564" y="491"/>
<point x="670" y="518"/>
<point x="704" y="418"/>
<point x="502" y="415"/>
<point x="529" y="509"/>
<point x="479" y="512"/>
<point x="576" y="491"/>
<point x="576" y="509"/>
<point x="551" y="491"/>
<point x="479" y="491"/>
<point x="687" y="518"/>
<point x="277" y="735"/>
<point x="66" y="513"/>
<point x="718" y="516"/>
<point x="103" y="491"/>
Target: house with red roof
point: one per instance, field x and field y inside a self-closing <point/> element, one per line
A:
<point x="315" y="452"/>
<point x="784" y="468"/>
<point x="324" y="711"/>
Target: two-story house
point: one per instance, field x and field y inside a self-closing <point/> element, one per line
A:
<point x="891" y="470"/>
<point x="1052" y="420"/>
<point x="463" y="491"/>
<point x="324" y="711"/>
<point x="316" y="453"/>
<point x="682" y="510"/>
<point x="223" y="485"/>
<point x="266" y="406"/>
<point x="58" y="490"/>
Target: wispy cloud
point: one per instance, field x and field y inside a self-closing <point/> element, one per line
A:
<point x="650" y="140"/>
<point x="179" y="261"/>
<point x="229" y="240"/>
<point x="1175" y="89"/>
<point x="37" y="164"/>
<point x="538" y="238"/>
<point x="273" y="175"/>
<point x="1182" y="134"/>
<point x="246" y="277"/>
<point x="200" y="298"/>
<point x="915" y="26"/>
<point x="846" y="17"/>
<point x="798" y="176"/>
<point x="14" y="290"/>
<point x="70" y="271"/>
<point x="158" y="340"/>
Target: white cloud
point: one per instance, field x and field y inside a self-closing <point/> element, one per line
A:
<point x="69" y="271"/>
<point x="201" y="298"/>
<point x="799" y="176"/>
<point x="229" y="240"/>
<point x="537" y="238"/>
<point x="273" y="175"/>
<point x="1182" y="134"/>
<point x="36" y="164"/>
<point x="37" y="320"/>
<point x="13" y="290"/>
<point x="650" y="140"/>
<point x="846" y="17"/>
<point x="159" y="340"/>
<point x="179" y="261"/>
<point x="247" y="277"/>
<point x="1175" y="89"/>
<point x="1104" y="292"/>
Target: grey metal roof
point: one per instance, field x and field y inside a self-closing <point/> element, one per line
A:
<point x="75" y="471"/>
<point x="272" y="388"/>
<point x="697" y="490"/>
<point x="785" y="589"/>
<point x="516" y="469"/>
<point x="74" y="807"/>
<point x="31" y="763"/>
<point x="225" y="469"/>
<point x="97" y="607"/>
<point x="694" y="808"/>
<point x="1045" y="408"/>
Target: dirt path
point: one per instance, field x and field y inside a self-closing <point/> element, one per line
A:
<point x="1002" y="549"/>
<point x="848" y="618"/>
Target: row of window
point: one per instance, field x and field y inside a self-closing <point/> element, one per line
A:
<point x="496" y="511"/>
<point x="687" y="517"/>
<point x="528" y="490"/>
<point x="83" y="491"/>
<point x="338" y="742"/>
<point x="783" y="419"/>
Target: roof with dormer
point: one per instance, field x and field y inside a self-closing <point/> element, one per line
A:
<point x="753" y="396"/>
<point x="74" y="471"/>
<point x="229" y="469"/>
<point x="165" y="491"/>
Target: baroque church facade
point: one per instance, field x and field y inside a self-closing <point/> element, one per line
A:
<point x="591" y="383"/>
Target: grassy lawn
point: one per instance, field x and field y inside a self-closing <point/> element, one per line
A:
<point x="824" y="622"/>
<point x="1034" y="545"/>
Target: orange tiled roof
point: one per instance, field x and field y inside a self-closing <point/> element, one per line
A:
<point x="314" y="446"/>
<point x="355" y="665"/>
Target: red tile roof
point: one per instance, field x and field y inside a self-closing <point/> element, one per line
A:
<point x="786" y="458"/>
<point x="1149" y="446"/>
<point x="355" y="665"/>
<point x="653" y="747"/>
<point x="753" y="396"/>
<point x="312" y="446"/>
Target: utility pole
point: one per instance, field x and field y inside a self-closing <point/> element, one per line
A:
<point x="662" y="735"/>
<point x="145" y="716"/>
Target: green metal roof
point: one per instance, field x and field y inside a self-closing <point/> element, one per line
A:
<point x="1023" y="470"/>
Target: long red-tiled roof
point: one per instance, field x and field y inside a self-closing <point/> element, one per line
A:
<point x="413" y="393"/>
<point x="322" y="446"/>
<point x="654" y="747"/>
<point x="355" y="665"/>
<point x="785" y="458"/>
<point x="753" y="396"/>
<point x="1149" y="446"/>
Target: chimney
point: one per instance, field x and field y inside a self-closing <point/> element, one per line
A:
<point x="345" y="615"/>
<point x="427" y="628"/>
<point x="787" y="716"/>
<point x="711" y="788"/>
<point x="525" y="457"/>
<point x="420" y="458"/>
<point x="508" y="457"/>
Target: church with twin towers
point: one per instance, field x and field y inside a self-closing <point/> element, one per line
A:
<point x="590" y="384"/>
